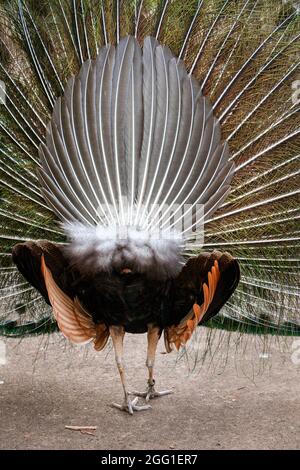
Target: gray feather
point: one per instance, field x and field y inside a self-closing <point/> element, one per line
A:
<point x="133" y="125"/>
<point x="173" y="126"/>
<point x="162" y="117"/>
<point x="103" y="96"/>
<point x="149" y="97"/>
<point x="121" y="78"/>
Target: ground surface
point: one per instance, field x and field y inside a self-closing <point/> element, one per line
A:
<point x="44" y="387"/>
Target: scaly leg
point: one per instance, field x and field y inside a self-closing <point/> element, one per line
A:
<point x="153" y="338"/>
<point x="117" y="334"/>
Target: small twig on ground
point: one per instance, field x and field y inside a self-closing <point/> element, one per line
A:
<point x="83" y="429"/>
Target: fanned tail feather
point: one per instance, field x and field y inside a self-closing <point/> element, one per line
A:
<point x="244" y="56"/>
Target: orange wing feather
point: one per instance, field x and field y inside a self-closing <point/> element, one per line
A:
<point x="180" y="334"/>
<point x="73" y="320"/>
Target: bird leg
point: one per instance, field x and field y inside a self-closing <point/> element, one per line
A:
<point x="153" y="338"/>
<point x="117" y="334"/>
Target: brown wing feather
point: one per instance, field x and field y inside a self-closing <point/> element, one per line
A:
<point x="216" y="274"/>
<point x="72" y="323"/>
<point x="73" y="320"/>
<point x="27" y="257"/>
<point x="43" y="264"/>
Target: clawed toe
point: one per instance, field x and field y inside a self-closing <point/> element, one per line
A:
<point x="131" y="405"/>
<point x="151" y="393"/>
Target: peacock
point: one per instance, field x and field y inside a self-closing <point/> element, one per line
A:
<point x="149" y="171"/>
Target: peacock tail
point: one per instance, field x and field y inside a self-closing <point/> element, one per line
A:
<point x="245" y="57"/>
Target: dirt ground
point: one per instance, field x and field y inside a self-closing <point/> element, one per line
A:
<point x="251" y="403"/>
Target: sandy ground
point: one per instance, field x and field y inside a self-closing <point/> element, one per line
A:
<point x="251" y="403"/>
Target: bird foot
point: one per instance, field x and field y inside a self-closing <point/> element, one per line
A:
<point x="131" y="405"/>
<point x="152" y="393"/>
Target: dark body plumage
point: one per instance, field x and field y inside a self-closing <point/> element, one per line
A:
<point x="131" y="300"/>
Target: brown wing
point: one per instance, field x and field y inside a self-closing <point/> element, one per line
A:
<point x="73" y="320"/>
<point x="27" y="256"/>
<point x="210" y="279"/>
<point x="45" y="267"/>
